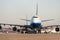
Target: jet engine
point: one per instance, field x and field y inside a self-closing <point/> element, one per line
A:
<point x="57" y="29"/>
<point x="14" y="28"/>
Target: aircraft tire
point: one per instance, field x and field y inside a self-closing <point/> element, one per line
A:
<point x="39" y="31"/>
<point x="18" y="30"/>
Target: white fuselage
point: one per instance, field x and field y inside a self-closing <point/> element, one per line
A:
<point x="35" y="22"/>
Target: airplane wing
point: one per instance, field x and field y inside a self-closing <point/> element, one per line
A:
<point x="46" y="20"/>
<point x="50" y="26"/>
<point x="41" y="20"/>
<point x="11" y="24"/>
<point x="45" y="27"/>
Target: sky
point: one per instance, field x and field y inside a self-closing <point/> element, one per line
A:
<point x="11" y="11"/>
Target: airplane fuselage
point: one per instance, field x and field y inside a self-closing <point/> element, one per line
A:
<point x="35" y="22"/>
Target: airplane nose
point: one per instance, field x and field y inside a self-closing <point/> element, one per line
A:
<point x="36" y="25"/>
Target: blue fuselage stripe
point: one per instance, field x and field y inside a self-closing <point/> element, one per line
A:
<point x="36" y="25"/>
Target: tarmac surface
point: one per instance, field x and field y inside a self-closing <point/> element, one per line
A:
<point x="18" y="36"/>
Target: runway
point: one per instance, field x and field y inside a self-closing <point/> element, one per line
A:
<point x="18" y="36"/>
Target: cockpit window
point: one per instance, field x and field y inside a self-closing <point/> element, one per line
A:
<point x="35" y="17"/>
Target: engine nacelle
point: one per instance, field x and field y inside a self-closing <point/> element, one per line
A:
<point x="57" y="29"/>
<point x="14" y="28"/>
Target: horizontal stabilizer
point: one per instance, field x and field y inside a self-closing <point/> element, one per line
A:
<point x="25" y="19"/>
<point x="46" y="20"/>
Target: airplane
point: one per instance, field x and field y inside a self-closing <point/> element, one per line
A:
<point x="34" y="27"/>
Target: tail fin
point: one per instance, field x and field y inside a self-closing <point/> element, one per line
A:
<point x="36" y="8"/>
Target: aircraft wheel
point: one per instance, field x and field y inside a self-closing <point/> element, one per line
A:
<point x="18" y="30"/>
<point x="26" y="32"/>
<point x="22" y="32"/>
<point x="39" y="31"/>
<point x="45" y="32"/>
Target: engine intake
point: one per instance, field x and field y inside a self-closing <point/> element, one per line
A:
<point x="57" y="29"/>
<point x="14" y="28"/>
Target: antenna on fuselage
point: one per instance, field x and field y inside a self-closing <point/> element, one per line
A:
<point x="36" y="7"/>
